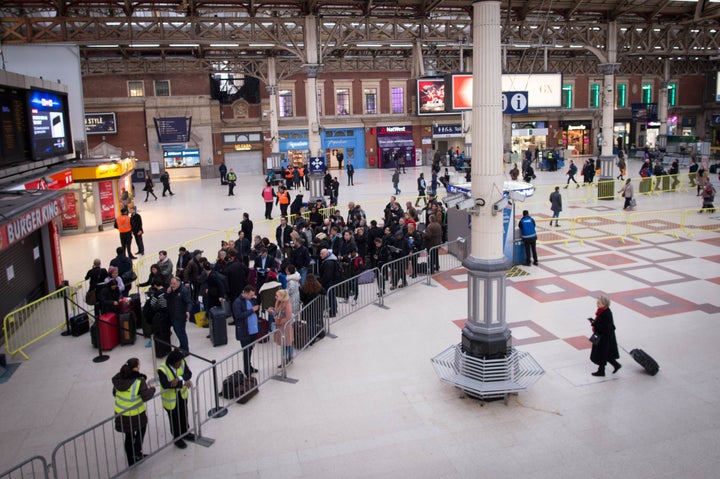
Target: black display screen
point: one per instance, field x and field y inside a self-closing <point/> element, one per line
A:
<point x="13" y="126"/>
<point x="50" y="126"/>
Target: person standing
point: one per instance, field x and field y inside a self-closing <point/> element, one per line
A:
<point x="268" y="193"/>
<point x="627" y="192"/>
<point x="401" y="162"/>
<point x="340" y="157"/>
<point x="96" y="275"/>
<point x="330" y="275"/>
<point x="335" y="190"/>
<point x="555" y="205"/>
<point x="282" y="236"/>
<point x="432" y="237"/>
<point x="124" y="227"/>
<point x="529" y="237"/>
<point x="283" y="315"/>
<point x="231" y="180"/>
<point x="165" y="180"/>
<point x="149" y="188"/>
<point x="131" y="392"/>
<point x="572" y="171"/>
<point x="246" y="225"/>
<point x="421" y="187"/>
<point x="174" y="376"/>
<point x="283" y="199"/>
<point x="165" y="266"/>
<point x="137" y="230"/>
<point x="606" y="349"/>
<point x="396" y="180"/>
<point x="223" y="173"/>
<point x="179" y="305"/>
<point x="244" y="311"/>
<point x="350" y="173"/>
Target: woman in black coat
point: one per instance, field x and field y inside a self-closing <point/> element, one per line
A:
<point x="606" y="350"/>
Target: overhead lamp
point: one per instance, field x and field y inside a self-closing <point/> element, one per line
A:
<point x="261" y="45"/>
<point x="369" y="45"/>
<point x="401" y="45"/>
<point x="104" y="46"/>
<point x="184" y="45"/>
<point x="224" y="45"/>
<point x="144" y="45"/>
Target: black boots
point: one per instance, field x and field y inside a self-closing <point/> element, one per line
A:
<point x="600" y="372"/>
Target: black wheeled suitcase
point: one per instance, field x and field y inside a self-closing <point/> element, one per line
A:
<point x="137" y="309"/>
<point x="127" y="328"/>
<point x="232" y="384"/>
<point x="79" y="324"/>
<point x="248" y="390"/>
<point x="644" y="360"/>
<point x="218" y="326"/>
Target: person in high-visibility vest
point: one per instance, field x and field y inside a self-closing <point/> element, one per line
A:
<point x="283" y="199"/>
<point x="123" y="225"/>
<point x="131" y="392"/>
<point x="174" y="376"/>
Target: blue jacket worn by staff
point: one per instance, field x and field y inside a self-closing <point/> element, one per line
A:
<point x="527" y="227"/>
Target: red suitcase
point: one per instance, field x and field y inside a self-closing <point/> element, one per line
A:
<point x="108" y="331"/>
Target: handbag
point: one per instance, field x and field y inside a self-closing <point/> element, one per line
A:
<point x="633" y="202"/>
<point x="91" y="297"/>
<point x="594" y="339"/>
<point x="129" y="276"/>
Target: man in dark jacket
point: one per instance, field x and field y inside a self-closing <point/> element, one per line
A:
<point x="237" y="275"/>
<point x="184" y="258"/>
<point x="179" y="306"/>
<point x="124" y="265"/>
<point x="244" y="311"/>
<point x="432" y="237"/>
<point x="155" y="312"/>
<point x="300" y="258"/>
<point x="192" y="273"/>
<point x="137" y="230"/>
<point x="330" y="275"/>
<point x="400" y="249"/>
<point x="282" y="236"/>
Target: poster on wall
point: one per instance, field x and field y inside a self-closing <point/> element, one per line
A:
<point x="70" y="215"/>
<point x="107" y="202"/>
<point x="431" y="96"/>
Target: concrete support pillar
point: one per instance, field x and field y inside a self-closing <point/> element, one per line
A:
<point x="312" y="66"/>
<point x="486" y="333"/>
<point x="606" y="186"/>
<point x="663" y="103"/>
<point x="272" y="90"/>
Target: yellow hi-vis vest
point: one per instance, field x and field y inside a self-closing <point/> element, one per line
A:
<point x="169" y="396"/>
<point x="129" y="399"/>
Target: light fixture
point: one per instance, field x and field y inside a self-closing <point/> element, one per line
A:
<point x="224" y="45"/>
<point x="184" y="45"/>
<point x="261" y="45"/>
<point x="144" y="45"/>
<point x="104" y="46"/>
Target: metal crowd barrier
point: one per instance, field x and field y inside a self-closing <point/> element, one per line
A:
<point x="34" y="468"/>
<point x="98" y="452"/>
<point x="352" y="295"/>
<point x="34" y="321"/>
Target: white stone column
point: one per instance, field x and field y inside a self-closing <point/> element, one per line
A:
<point x="606" y="187"/>
<point x="486" y="334"/>
<point x="272" y="90"/>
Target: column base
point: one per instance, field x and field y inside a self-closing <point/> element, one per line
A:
<point x="486" y="345"/>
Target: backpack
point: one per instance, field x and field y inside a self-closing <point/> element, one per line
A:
<point x="357" y="264"/>
<point x="338" y="272"/>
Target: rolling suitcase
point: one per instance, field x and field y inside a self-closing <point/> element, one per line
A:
<point x="106" y="329"/>
<point x="137" y="309"/>
<point x="127" y="328"/>
<point x="231" y="385"/>
<point x="79" y="324"/>
<point x="263" y="330"/>
<point x="644" y="360"/>
<point x="218" y="326"/>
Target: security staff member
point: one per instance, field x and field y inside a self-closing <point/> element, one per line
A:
<point x="124" y="226"/>
<point x="131" y="391"/>
<point x="283" y="199"/>
<point x="174" y="376"/>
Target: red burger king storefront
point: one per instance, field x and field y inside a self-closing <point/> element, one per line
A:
<point x="30" y="258"/>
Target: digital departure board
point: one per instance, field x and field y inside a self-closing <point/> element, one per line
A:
<point x="13" y="126"/>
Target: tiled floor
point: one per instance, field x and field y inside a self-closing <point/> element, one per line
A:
<point x="368" y="404"/>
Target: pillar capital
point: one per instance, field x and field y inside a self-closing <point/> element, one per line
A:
<point x="271" y="89"/>
<point x="312" y="69"/>
<point x="609" y="68"/>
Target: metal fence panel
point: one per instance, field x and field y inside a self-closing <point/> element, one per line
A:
<point x="34" y="468"/>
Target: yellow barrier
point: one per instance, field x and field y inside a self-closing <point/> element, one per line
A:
<point x="34" y="321"/>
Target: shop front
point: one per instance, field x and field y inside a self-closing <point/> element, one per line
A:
<point x="294" y="147"/>
<point x="529" y="135"/>
<point x="181" y="161"/>
<point x="348" y="142"/>
<point x="621" y="135"/>
<point x="99" y="190"/>
<point x="394" y="143"/>
<point x="243" y="152"/>
<point x="30" y="257"/>
<point x="577" y="136"/>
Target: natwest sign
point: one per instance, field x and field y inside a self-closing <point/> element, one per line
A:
<point x="394" y="130"/>
<point x="29" y="221"/>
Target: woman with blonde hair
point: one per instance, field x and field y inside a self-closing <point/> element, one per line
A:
<point x="283" y="314"/>
<point x="605" y="349"/>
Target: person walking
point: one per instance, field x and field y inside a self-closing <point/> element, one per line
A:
<point x="124" y="227"/>
<point x="421" y="187"/>
<point x="605" y="350"/>
<point x="555" y="205"/>
<point x="223" y="173"/>
<point x="136" y="226"/>
<point x="396" y="180"/>
<point x="149" y="188"/>
<point x="131" y="392"/>
<point x="627" y="192"/>
<point x="529" y="237"/>
<point x="165" y="180"/>
<point x="245" y="314"/>
<point x="174" y="376"/>
<point x="572" y="171"/>
<point x="621" y="165"/>
<point x="231" y="181"/>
